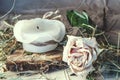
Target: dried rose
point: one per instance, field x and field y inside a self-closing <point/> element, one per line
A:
<point x="80" y="53"/>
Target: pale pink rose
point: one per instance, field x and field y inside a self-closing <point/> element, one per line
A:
<point x="80" y="53"/>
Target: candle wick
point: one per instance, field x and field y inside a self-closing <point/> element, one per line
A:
<point x="37" y="27"/>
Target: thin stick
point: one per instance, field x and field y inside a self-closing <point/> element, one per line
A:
<point x="117" y="76"/>
<point x="106" y="39"/>
<point x="114" y="63"/>
<point x="81" y="33"/>
<point x="94" y="30"/>
<point x="11" y="26"/>
<point x="118" y="45"/>
<point x="66" y="75"/>
<point x="112" y="70"/>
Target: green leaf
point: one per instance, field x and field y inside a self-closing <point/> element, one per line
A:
<point x="85" y="15"/>
<point x="77" y="19"/>
<point x="80" y="20"/>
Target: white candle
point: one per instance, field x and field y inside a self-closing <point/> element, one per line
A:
<point x="39" y="35"/>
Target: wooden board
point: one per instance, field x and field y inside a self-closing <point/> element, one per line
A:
<point x="49" y="61"/>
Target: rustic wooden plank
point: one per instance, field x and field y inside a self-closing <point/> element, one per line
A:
<point x="49" y="61"/>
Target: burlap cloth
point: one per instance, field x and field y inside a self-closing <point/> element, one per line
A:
<point x="104" y="13"/>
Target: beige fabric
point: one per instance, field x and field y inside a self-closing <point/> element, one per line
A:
<point x="95" y="9"/>
<point x="113" y="20"/>
<point x="104" y="13"/>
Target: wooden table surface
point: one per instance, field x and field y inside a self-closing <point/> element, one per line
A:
<point x="57" y="75"/>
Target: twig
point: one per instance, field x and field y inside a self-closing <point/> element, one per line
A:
<point x="11" y="26"/>
<point x="94" y="30"/>
<point x="16" y="67"/>
<point x="118" y="45"/>
<point x="117" y="76"/>
<point x="16" y="17"/>
<point x="66" y="75"/>
<point x="112" y="70"/>
<point x="106" y="39"/>
<point x="43" y="75"/>
<point x="81" y="33"/>
<point x="57" y="17"/>
<point x="114" y="63"/>
<point x="48" y="14"/>
<point x="8" y="40"/>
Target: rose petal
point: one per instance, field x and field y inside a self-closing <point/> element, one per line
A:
<point x="80" y="53"/>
